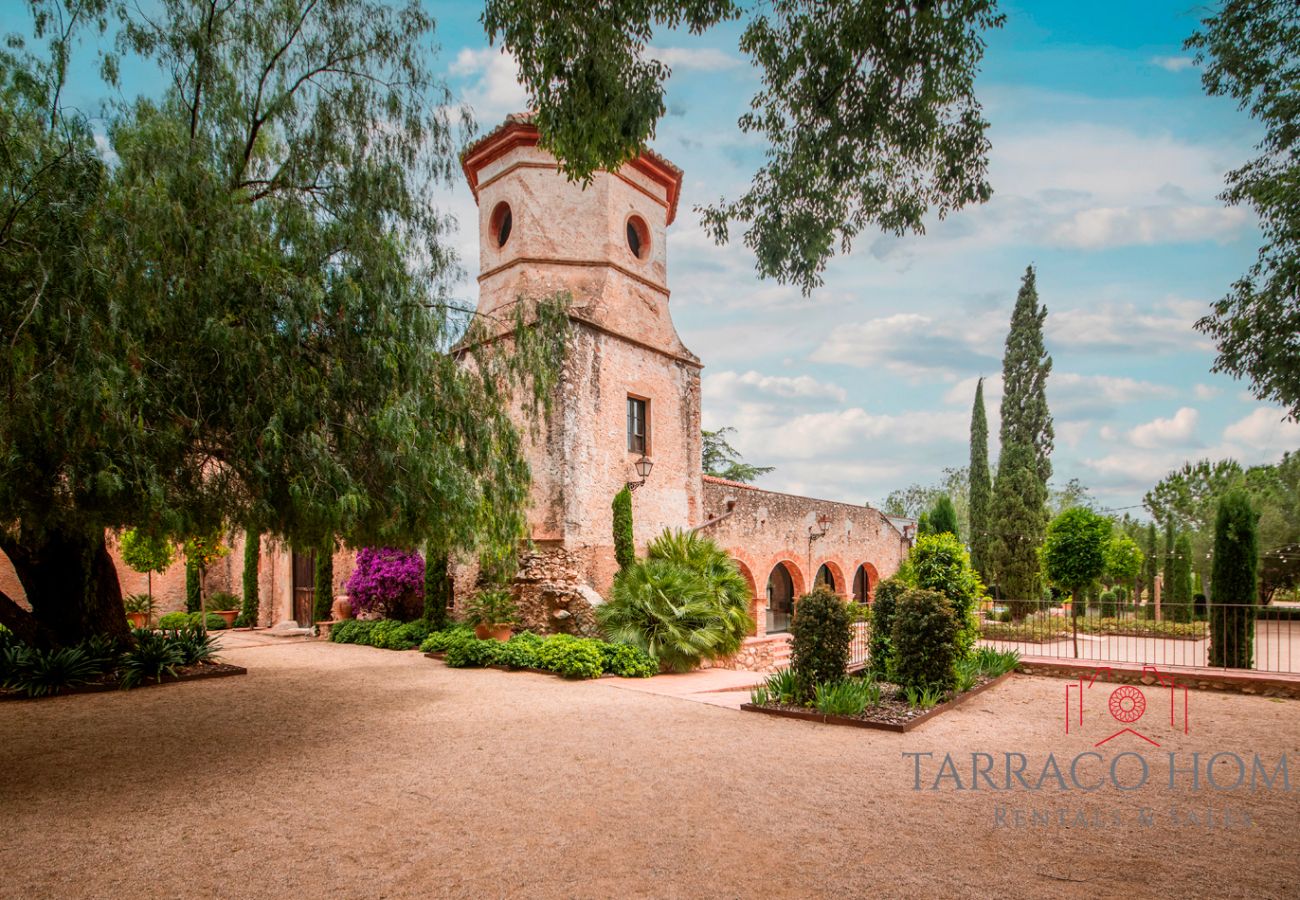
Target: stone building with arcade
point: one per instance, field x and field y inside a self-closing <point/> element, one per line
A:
<point x="627" y="409"/>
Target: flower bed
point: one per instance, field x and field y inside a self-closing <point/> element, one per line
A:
<point x="111" y="682"/>
<point x="893" y="712"/>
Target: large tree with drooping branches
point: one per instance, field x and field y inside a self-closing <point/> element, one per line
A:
<point x="237" y="312"/>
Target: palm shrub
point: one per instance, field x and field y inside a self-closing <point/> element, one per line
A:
<point x="1233" y="582"/>
<point x="926" y="641"/>
<point x="153" y="656"/>
<point x="882" y="625"/>
<point x="39" y="673"/>
<point x="684" y="603"/>
<point x="819" y="645"/>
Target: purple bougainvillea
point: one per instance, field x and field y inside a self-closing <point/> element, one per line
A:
<point x="384" y="578"/>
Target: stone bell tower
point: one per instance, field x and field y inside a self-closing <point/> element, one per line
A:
<point x="630" y="389"/>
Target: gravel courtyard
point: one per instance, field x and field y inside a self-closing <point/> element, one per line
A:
<point x="345" y="771"/>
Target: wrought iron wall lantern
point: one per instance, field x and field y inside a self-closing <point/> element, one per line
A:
<point x="644" y="466"/>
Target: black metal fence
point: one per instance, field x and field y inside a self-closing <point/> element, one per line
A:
<point x="1259" y="638"/>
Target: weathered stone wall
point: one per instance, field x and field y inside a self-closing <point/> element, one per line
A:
<point x="766" y="529"/>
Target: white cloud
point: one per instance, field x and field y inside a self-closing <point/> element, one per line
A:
<point x="700" y="59"/>
<point x="731" y="387"/>
<point x="1177" y="430"/>
<point x="1100" y="227"/>
<point x="916" y="346"/>
<point x="1125" y="327"/>
<point x="1173" y="63"/>
<point x="494" y="90"/>
<point x="1206" y="392"/>
<point x="1264" y="431"/>
<point x="1071" y="394"/>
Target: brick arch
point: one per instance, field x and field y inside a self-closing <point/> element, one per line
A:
<point x="873" y="578"/>
<point x="797" y="577"/>
<point x="755" y="602"/>
<point x="837" y="575"/>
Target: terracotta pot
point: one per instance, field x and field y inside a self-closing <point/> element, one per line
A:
<point x="228" y="614"/>
<point x="342" y="609"/>
<point x="138" y="620"/>
<point x="481" y="632"/>
<point x="500" y="632"/>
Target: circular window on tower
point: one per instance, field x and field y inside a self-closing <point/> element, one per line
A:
<point x="638" y="237"/>
<point x="500" y="223"/>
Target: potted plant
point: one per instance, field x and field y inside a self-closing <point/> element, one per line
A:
<point x="139" y="609"/>
<point x="493" y="614"/>
<point x="146" y="553"/>
<point x="225" y="605"/>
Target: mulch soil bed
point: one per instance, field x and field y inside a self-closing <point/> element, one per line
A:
<point x="893" y="713"/>
<point x="103" y="683"/>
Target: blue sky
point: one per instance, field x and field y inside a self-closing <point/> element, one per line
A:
<point x="1106" y="161"/>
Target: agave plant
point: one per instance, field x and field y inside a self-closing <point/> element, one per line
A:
<point x="194" y="646"/>
<point x="38" y="673"/>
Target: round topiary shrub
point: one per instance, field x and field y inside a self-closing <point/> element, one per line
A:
<point x="1109" y="605"/>
<point x="926" y="635"/>
<point x="820" y="635"/>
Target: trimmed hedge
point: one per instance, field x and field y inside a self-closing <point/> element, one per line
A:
<point x="927" y="641"/>
<point x="177" y="620"/>
<point x="563" y="654"/>
<point x="882" y="625"/>
<point x="819" y="645"/>
<point x="386" y="634"/>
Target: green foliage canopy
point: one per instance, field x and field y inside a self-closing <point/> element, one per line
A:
<point x="1074" y="552"/>
<point x="721" y="460"/>
<point x="868" y="110"/>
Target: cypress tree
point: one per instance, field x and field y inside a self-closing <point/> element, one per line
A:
<point x="437" y="588"/>
<point x="1152" y="566"/>
<point x="193" y="586"/>
<point x="324" y="593"/>
<point x="624" y="543"/>
<point x="1167" y="575"/>
<point x="1181" y="593"/>
<point x="980" y="485"/>
<point x="252" y="553"/>
<point x="943" y="517"/>
<point x="1233" y="584"/>
<point x="1018" y="512"/>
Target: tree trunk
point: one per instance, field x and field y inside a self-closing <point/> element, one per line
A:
<point x="71" y="584"/>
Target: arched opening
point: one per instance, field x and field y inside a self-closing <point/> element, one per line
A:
<point x="861" y="585"/>
<point x="638" y="237"/>
<point x="500" y="223"/>
<point x="780" y="599"/>
<point x="825" y="579"/>
<point x="754" y="611"/>
<point x="864" y="583"/>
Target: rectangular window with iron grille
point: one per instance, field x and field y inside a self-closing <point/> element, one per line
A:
<point x="638" y="425"/>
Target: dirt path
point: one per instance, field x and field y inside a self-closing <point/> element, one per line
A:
<point x="344" y="771"/>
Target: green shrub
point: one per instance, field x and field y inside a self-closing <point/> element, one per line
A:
<point x="838" y="698"/>
<point x="820" y="635"/>
<point x="882" y="625"/>
<point x="103" y="652"/>
<point x="685" y="603"/>
<point x="624" y="544"/>
<point x="782" y="687"/>
<point x="627" y="661"/>
<point x="939" y="562"/>
<point x="222" y="600"/>
<point x="252" y="553"/>
<point x="437" y="588"/>
<point x="193" y="586"/>
<point x="993" y="663"/>
<point x="153" y="656"/>
<point x="323" y="595"/>
<point x="39" y="673"/>
<point x="193" y="646"/>
<point x="352" y="631"/>
<point x="520" y="652"/>
<point x="439" y="641"/>
<point x="173" y="620"/>
<point x="469" y="651"/>
<point x="570" y="656"/>
<point x="967" y="674"/>
<point x="926" y="639"/>
<point x="213" y="622"/>
<point x="1234" y="581"/>
<point x="1109" y="605"/>
<point x="924" y="697"/>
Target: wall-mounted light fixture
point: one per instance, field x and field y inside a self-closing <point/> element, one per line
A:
<point x="644" y="466"/>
